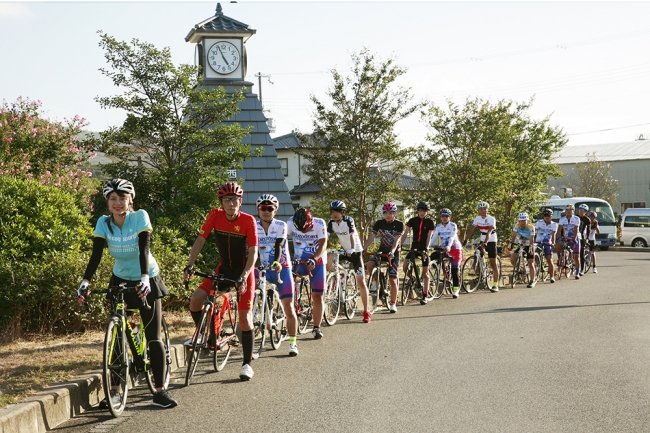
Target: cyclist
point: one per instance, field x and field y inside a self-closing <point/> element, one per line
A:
<point x="236" y="237"/>
<point x="523" y="234"/>
<point x="422" y="230"/>
<point x="568" y="227"/>
<point x="593" y="229"/>
<point x="127" y="233"/>
<point x="545" y="230"/>
<point x="274" y="253"/>
<point x="343" y="226"/>
<point x="310" y="242"/>
<point x="487" y="226"/>
<point x="389" y="230"/>
<point x="446" y="234"/>
<point x="585" y="223"/>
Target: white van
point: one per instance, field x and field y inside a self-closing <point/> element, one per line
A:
<point x="635" y="227"/>
<point x="607" y="236"/>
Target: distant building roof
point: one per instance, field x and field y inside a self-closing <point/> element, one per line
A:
<point x="407" y="183"/>
<point x="219" y="23"/>
<point x="605" y="152"/>
<point x="292" y="141"/>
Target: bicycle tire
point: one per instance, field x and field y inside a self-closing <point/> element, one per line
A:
<point x="447" y="283"/>
<point x="373" y="290"/>
<point x="541" y="267"/>
<point x="304" y="309"/>
<point x="471" y="274"/>
<point x="115" y="368"/>
<point x="194" y="352"/>
<point x="407" y="283"/>
<point x="384" y="291"/>
<point x="278" y="321"/>
<point x="168" y="359"/>
<point x="331" y="298"/>
<point x="225" y="333"/>
<point x="430" y="293"/>
<point x="587" y="265"/>
<point x="435" y="282"/>
<point x="351" y="294"/>
<point x="259" y="323"/>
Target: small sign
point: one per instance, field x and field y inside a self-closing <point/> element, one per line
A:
<point x="232" y="174"/>
<point x="569" y="192"/>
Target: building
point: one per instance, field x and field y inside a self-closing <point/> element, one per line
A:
<point x="630" y="165"/>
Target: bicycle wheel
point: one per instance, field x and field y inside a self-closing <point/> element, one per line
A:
<point x="541" y="267"/>
<point x="331" y="298"/>
<point x="350" y="295"/>
<point x="407" y="288"/>
<point x="225" y="332"/>
<point x="446" y="283"/>
<point x="384" y="290"/>
<point x="373" y="290"/>
<point x="115" y="371"/>
<point x="560" y="265"/>
<point x="431" y="292"/>
<point x="437" y="285"/>
<point x="471" y="274"/>
<point x="199" y="340"/>
<point x="259" y="324"/>
<point x="278" y="321"/>
<point x="587" y="265"/>
<point x="303" y="302"/>
<point x="168" y="359"/>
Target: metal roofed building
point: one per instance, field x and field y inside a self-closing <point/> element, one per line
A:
<point x="630" y="165"/>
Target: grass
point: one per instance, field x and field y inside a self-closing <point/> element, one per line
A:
<point x="36" y="362"/>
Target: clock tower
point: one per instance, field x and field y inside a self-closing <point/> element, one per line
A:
<point x="221" y="51"/>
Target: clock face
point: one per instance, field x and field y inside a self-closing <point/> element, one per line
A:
<point x="223" y="57"/>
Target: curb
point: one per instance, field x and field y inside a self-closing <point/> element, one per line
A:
<point x="629" y="249"/>
<point x="58" y="403"/>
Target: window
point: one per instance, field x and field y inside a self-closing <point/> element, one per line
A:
<point x="625" y="206"/>
<point x="637" y="221"/>
<point x="284" y="166"/>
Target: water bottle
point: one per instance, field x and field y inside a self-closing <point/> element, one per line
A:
<point x="136" y="333"/>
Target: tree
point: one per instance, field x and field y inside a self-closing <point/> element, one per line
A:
<point x="486" y="152"/>
<point x="174" y="144"/>
<point x="594" y="179"/>
<point x="354" y="154"/>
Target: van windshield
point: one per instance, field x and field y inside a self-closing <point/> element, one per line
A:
<point x="605" y="216"/>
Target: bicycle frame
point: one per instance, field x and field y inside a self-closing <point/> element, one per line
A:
<point x="382" y="290"/>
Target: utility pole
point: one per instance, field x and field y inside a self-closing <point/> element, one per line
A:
<point x="259" y="80"/>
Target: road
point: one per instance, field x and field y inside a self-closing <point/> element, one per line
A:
<point x="570" y="356"/>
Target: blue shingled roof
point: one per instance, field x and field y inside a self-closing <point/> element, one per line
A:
<point x="291" y="141"/>
<point x="219" y="23"/>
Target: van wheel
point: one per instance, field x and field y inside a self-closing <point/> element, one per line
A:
<point x="639" y="243"/>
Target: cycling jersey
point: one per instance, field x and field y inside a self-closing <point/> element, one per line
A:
<point x="448" y="235"/>
<point x="388" y="232"/>
<point x="593" y="226"/>
<point x="420" y="228"/>
<point x="523" y="233"/>
<point x="545" y="231"/>
<point x="267" y="243"/>
<point x="344" y="230"/>
<point x="233" y="237"/>
<point x="484" y="225"/>
<point x="585" y="222"/>
<point x="571" y="227"/>
<point x="306" y="244"/>
<point x="123" y="244"/>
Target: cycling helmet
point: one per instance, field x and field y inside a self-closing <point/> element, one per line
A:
<point x="569" y="206"/>
<point x="119" y="185"/>
<point x="522" y="216"/>
<point x="445" y="211"/>
<point x="547" y="212"/>
<point x="422" y="205"/>
<point x="268" y="199"/>
<point x="483" y="204"/>
<point x="389" y="207"/>
<point x="592" y="214"/>
<point x="583" y="207"/>
<point x="230" y="188"/>
<point x="302" y="220"/>
<point x="338" y="205"/>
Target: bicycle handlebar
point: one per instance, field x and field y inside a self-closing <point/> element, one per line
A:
<point x="261" y="268"/>
<point x="121" y="288"/>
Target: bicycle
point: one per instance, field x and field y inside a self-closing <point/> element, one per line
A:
<point x="341" y="289"/>
<point x="268" y="314"/>
<point x="565" y="265"/>
<point x="540" y="262"/>
<point x="126" y="352"/>
<point x="302" y="300"/>
<point x="413" y="282"/>
<point x="216" y="329"/>
<point x="589" y="251"/>
<point x="442" y="274"/>
<point x="378" y="289"/>
<point x="476" y="272"/>
<point x="520" y="270"/>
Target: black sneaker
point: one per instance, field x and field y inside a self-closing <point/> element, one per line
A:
<point x="163" y="399"/>
<point x="423" y="301"/>
<point x="317" y="333"/>
<point x="116" y="399"/>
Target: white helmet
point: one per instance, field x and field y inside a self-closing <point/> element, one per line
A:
<point x="522" y="216"/>
<point x="268" y="199"/>
<point x="119" y="185"/>
<point x="483" y="204"/>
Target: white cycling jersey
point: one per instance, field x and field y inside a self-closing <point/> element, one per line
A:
<point x="448" y="235"/>
<point x="345" y="230"/>
<point x="306" y="244"/>
<point x="571" y="228"/>
<point x="545" y="231"/>
<point x="484" y="225"/>
<point x="266" y="243"/>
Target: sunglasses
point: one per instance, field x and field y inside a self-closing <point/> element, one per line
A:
<point x="267" y="208"/>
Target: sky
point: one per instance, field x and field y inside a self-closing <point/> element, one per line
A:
<point x="586" y="64"/>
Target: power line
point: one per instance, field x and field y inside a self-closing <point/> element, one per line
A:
<point x="610" y="129"/>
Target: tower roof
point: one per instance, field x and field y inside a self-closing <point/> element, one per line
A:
<point x="219" y="23"/>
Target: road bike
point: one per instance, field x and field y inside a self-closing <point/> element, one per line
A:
<point x="477" y="272"/>
<point x="378" y="289"/>
<point x="589" y="252"/>
<point x="302" y="300"/>
<point x="442" y="279"/>
<point x="413" y="282"/>
<point x="541" y="265"/>
<point x="215" y="332"/>
<point x="341" y="289"/>
<point x="126" y="352"/>
<point x="520" y="270"/>
<point x="565" y="265"/>
<point x="268" y="314"/>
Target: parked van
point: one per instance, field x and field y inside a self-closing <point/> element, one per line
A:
<point x="635" y="227"/>
<point x="607" y="236"/>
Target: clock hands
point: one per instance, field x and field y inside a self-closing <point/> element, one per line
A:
<point x="222" y="56"/>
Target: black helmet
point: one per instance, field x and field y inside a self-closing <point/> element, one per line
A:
<point x="302" y="220"/>
<point x="547" y="212"/>
<point x="422" y="205"/>
<point x="338" y="205"/>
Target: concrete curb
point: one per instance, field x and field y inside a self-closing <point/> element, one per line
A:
<point x="58" y="403"/>
<point x="629" y="249"/>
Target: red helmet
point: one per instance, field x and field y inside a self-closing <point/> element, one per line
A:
<point x="230" y="188"/>
<point x="389" y="207"/>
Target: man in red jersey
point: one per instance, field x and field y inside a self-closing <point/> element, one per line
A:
<point x="236" y="236"/>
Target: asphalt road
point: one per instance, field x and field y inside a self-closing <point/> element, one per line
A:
<point x="565" y="357"/>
